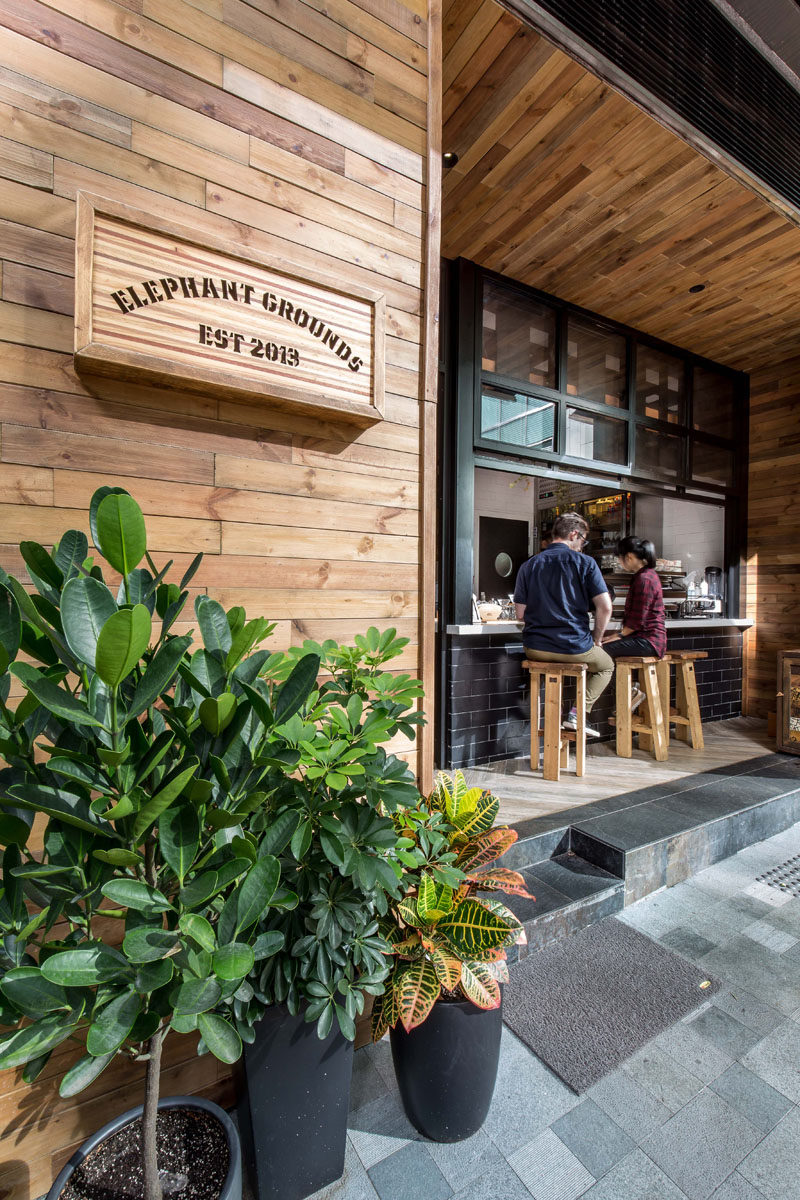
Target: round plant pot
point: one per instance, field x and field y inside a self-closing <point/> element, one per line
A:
<point x="446" y="1068"/>
<point x="232" y="1187"/>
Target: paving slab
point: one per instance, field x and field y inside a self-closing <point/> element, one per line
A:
<point x="774" y="1166"/>
<point x="700" y="1146"/>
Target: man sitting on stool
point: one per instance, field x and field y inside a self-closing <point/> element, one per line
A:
<point x="554" y="592"/>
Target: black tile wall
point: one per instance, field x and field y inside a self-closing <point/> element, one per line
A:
<point x="488" y="712"/>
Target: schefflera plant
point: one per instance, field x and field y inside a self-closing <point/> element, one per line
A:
<point x="449" y="933"/>
<point x="331" y="825"/>
<point x="141" y="909"/>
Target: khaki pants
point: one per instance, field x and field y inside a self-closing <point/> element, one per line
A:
<point x="601" y="668"/>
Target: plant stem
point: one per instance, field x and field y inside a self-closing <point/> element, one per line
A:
<point x="152" y="1183"/>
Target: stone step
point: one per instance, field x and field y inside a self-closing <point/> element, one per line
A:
<point x="570" y="894"/>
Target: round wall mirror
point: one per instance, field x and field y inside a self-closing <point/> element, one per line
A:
<point x="503" y="564"/>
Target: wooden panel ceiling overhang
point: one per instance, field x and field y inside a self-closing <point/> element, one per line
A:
<point x="566" y="185"/>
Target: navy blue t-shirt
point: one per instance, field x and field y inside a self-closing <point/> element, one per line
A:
<point x="557" y="587"/>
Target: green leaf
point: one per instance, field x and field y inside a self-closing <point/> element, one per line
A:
<point x="94" y="504"/>
<point x="221" y="1038"/>
<point x="179" y="838"/>
<point x="217" y="712"/>
<point x="31" y="993"/>
<point x="170" y="789"/>
<point x="198" y="928"/>
<point x="84" y="967"/>
<point x="120" y="535"/>
<point x="41" y="565"/>
<point x="301" y="840"/>
<point x="279" y="834"/>
<point x="10" y="627"/>
<point x="150" y="976"/>
<point x="122" y="642"/>
<point x="233" y="961"/>
<point x="159" y="674"/>
<point x="132" y="893"/>
<point x="64" y="806"/>
<point x="119" y="857"/>
<point x="86" y="605"/>
<point x="82" y="1073"/>
<point x="191" y="570"/>
<point x="196" y="996"/>
<point x="147" y="943"/>
<point x="213" y="622"/>
<point x="15" y="825"/>
<point x="58" y="700"/>
<point x="112" y="1026"/>
<point x="267" y="944"/>
<point x="256" y="891"/>
<point x="21" y="1046"/>
<point x="71" y="552"/>
<point x="297" y="688"/>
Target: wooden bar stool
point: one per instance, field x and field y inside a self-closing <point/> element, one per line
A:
<point x="556" y="739"/>
<point x="685" y="716"/>
<point x="649" y="721"/>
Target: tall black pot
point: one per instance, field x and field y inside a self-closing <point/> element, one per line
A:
<point x="298" y="1096"/>
<point x="446" y="1068"/>
<point x="231" y="1189"/>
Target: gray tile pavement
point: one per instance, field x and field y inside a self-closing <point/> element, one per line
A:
<point x="709" y="1110"/>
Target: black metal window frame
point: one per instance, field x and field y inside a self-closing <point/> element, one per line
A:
<point x="469" y="449"/>
<point x="626" y="414"/>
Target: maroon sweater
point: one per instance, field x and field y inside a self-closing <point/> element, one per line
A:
<point x="644" y="609"/>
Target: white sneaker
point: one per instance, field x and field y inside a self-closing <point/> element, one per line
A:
<point x="637" y="696"/>
<point x="571" y="722"/>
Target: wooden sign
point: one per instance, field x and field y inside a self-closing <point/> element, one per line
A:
<point x="155" y="301"/>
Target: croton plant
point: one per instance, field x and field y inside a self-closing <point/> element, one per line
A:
<point x="449" y="933"/>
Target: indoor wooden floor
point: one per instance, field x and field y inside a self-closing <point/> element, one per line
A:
<point x="524" y="794"/>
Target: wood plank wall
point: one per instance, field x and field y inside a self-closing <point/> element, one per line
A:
<point x="772" y="583"/>
<point x="297" y="127"/>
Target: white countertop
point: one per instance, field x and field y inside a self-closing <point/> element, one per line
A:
<point x="487" y="628"/>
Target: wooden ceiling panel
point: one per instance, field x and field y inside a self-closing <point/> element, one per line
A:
<point x="564" y="184"/>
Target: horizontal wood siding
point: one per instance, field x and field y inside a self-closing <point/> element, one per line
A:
<point x="297" y="130"/>
<point x="772" y="583"/>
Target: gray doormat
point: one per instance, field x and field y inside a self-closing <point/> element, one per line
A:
<point x="585" y="1004"/>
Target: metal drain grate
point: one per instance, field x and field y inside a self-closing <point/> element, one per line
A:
<point x="786" y="877"/>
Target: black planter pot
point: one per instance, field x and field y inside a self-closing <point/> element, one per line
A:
<point x="232" y="1188"/>
<point x="446" y="1068"/>
<point x="298" y="1095"/>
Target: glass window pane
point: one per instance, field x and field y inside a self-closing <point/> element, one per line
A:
<point x="592" y="436"/>
<point x="660" y="385"/>
<point x="657" y="453"/>
<point x="596" y="363"/>
<point x="712" y="464"/>
<point x="519" y="336"/>
<point x="712" y="402"/>
<point x="517" y="419"/>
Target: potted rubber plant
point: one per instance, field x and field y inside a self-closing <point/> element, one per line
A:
<point x="333" y="789"/>
<point x="135" y="876"/>
<point x="449" y="936"/>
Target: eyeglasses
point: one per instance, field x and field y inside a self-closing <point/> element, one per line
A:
<point x="584" y="538"/>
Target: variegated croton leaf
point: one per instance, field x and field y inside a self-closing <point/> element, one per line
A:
<point x="500" y="879"/>
<point x="482" y="817"/>
<point x="434" y="900"/>
<point x="480" y="985"/>
<point x="517" y="935"/>
<point x="447" y="967"/>
<point x="486" y="848"/>
<point x="474" y="928"/>
<point x="379" y="1022"/>
<point x="416" y="989"/>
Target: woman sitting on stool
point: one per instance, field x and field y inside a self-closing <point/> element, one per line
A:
<point x="643" y="633"/>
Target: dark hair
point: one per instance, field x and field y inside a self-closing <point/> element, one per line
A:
<point x="569" y="523"/>
<point x="640" y="547"/>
